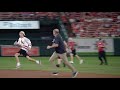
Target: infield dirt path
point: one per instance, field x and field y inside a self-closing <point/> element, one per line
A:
<point x="46" y="74"/>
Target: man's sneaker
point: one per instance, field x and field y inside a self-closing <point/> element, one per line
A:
<point x="74" y="74"/>
<point x="81" y="61"/>
<point x="38" y="62"/>
<point x="71" y="62"/>
<point x="57" y="65"/>
<point x="55" y="73"/>
<point x="18" y="65"/>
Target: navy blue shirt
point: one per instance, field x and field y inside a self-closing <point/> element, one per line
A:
<point x="61" y="47"/>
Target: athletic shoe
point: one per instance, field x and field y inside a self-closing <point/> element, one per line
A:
<point x="57" y="65"/>
<point x="55" y="73"/>
<point x="18" y="65"/>
<point x="38" y="62"/>
<point x="81" y="61"/>
<point x="71" y="62"/>
<point x="74" y="74"/>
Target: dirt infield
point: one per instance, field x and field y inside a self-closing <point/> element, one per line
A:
<point x="45" y="74"/>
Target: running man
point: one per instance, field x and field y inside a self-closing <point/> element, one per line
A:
<point x="25" y="44"/>
<point x="60" y="51"/>
<point x="72" y="51"/>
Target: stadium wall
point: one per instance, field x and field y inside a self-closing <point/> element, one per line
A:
<point x="116" y="46"/>
<point x="86" y="46"/>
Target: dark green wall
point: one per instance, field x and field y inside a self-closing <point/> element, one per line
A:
<point x="117" y="46"/>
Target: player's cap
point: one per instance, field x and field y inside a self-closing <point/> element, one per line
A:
<point x="22" y="32"/>
<point x="56" y="30"/>
<point x="70" y="39"/>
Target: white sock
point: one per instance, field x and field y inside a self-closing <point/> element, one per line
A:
<point x="37" y="61"/>
<point x="81" y="61"/>
<point x="18" y="64"/>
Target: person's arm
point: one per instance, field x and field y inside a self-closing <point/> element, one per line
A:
<point x="29" y="43"/>
<point x="54" y="45"/>
<point x="65" y="43"/>
<point x="17" y="43"/>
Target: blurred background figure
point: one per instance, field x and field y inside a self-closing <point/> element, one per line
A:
<point x="72" y="51"/>
<point x="101" y="51"/>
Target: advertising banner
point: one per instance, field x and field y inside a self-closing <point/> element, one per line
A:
<point x="11" y="50"/>
<point x="88" y="45"/>
<point x="19" y="25"/>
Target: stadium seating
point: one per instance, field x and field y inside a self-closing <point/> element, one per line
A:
<point x="26" y="15"/>
<point x="81" y="24"/>
<point x="94" y="24"/>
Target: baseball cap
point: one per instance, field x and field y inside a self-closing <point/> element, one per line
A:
<point x="22" y="32"/>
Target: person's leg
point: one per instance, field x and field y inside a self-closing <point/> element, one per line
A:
<point x="100" y="58"/>
<point x="52" y="59"/>
<point x="59" y="62"/>
<point x="71" y="58"/>
<point x="25" y="54"/>
<point x="33" y="60"/>
<point x="81" y="60"/>
<point x="77" y="57"/>
<point x="72" y="55"/>
<point x="65" y="59"/>
<point x="17" y="60"/>
<point x="104" y="57"/>
<point x="16" y="56"/>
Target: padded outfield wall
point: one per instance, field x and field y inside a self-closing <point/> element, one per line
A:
<point x="86" y="46"/>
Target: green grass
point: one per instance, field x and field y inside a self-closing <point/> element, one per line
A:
<point x="90" y="65"/>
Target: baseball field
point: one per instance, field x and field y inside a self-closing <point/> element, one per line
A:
<point x="89" y="69"/>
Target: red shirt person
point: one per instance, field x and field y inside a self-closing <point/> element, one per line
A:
<point x="72" y="50"/>
<point x="101" y="51"/>
<point x="101" y="46"/>
<point x="71" y="45"/>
